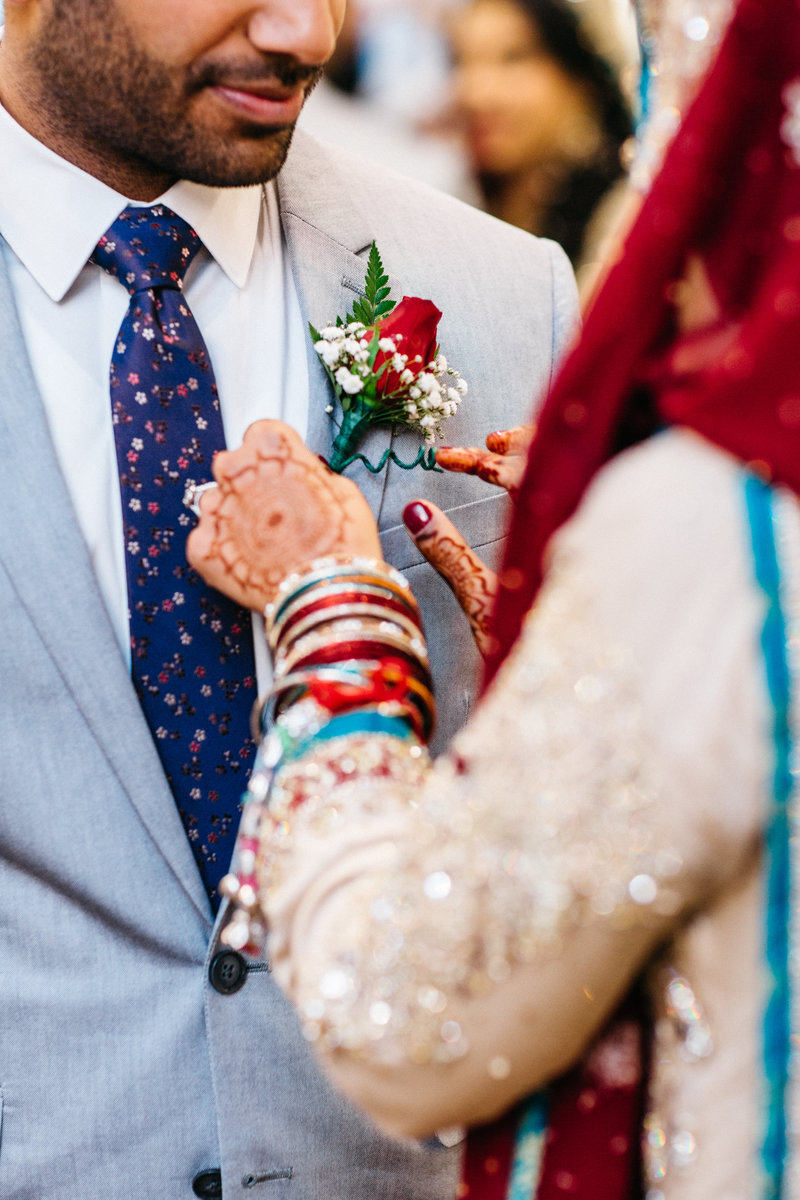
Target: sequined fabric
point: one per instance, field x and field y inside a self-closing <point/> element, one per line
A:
<point x="680" y="38"/>
<point x="491" y="882"/>
<point x="465" y="917"/>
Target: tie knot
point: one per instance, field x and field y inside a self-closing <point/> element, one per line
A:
<point x="147" y="248"/>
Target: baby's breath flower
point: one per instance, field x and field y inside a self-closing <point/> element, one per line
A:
<point x="348" y="382"/>
<point x="329" y="352"/>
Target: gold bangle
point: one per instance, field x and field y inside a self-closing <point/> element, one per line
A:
<point x="318" y="595"/>
<point x="346" y="612"/>
<point x="312" y="643"/>
<point x="326" y="570"/>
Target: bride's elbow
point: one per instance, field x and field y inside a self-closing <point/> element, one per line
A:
<point x="417" y="1101"/>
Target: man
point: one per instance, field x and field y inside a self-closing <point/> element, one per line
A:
<point x="138" y="1058"/>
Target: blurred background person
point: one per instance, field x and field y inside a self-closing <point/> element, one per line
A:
<point x="536" y="85"/>
<point x="385" y="89"/>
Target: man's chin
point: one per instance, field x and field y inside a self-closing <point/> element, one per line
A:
<point x="244" y="162"/>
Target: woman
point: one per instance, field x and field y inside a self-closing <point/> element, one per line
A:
<point x="621" y="804"/>
<point x="543" y="114"/>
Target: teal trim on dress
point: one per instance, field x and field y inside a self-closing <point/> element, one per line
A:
<point x="777" y="1016"/>
<point x="528" y="1149"/>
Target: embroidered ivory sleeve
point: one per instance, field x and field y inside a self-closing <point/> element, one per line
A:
<point x="461" y="930"/>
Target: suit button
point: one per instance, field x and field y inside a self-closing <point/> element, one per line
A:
<point x="208" y="1184"/>
<point x="228" y="972"/>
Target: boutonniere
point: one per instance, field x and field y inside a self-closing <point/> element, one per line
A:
<point x="384" y="364"/>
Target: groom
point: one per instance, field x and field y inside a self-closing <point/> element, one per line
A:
<point x="140" y="1058"/>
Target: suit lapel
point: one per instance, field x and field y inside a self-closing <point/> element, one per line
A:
<point x="327" y="239"/>
<point x="46" y="559"/>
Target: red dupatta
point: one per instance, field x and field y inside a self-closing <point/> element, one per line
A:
<point x="728" y="196"/>
<point x="729" y="192"/>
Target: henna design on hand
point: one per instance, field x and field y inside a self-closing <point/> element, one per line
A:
<point x="277" y="507"/>
<point x="271" y="510"/>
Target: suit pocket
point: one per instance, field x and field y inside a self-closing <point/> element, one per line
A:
<point x="483" y="523"/>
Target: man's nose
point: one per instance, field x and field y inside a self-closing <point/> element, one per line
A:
<point x="306" y="30"/>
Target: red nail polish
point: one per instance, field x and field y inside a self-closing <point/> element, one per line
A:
<point x="416" y="516"/>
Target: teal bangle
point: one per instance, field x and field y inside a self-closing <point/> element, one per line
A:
<point x="362" y="720"/>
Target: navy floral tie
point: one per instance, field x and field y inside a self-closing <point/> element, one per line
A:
<point x="192" y="649"/>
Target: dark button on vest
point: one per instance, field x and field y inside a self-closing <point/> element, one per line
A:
<point x="208" y="1184"/>
<point x="228" y="972"/>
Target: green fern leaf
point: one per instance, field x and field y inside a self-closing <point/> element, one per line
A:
<point x="375" y="302"/>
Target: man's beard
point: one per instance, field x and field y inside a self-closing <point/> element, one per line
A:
<point x="95" y="86"/>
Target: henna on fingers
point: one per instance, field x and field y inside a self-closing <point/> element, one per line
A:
<point x="502" y="464"/>
<point x="474" y="586"/>
<point x="511" y="441"/>
<point x="498" y="469"/>
<point x="471" y="581"/>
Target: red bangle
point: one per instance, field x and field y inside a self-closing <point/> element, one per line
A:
<point x="388" y="680"/>
<point x="331" y="655"/>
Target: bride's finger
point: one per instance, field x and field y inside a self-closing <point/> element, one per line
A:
<point x="511" y="441"/>
<point x="473" y="583"/>
<point x="503" y="471"/>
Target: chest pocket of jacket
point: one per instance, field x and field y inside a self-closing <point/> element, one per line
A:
<point x="483" y="523"/>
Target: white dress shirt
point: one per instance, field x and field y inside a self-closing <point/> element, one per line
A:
<point x="240" y="289"/>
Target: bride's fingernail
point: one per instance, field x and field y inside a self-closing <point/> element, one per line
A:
<point x="416" y="516"/>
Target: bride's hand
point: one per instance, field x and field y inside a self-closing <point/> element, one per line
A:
<point x="276" y="508"/>
<point x="473" y="583"/>
<point x="502" y="463"/>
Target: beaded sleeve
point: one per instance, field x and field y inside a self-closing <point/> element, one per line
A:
<point x="410" y="885"/>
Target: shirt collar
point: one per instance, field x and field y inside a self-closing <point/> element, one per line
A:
<point x="52" y="214"/>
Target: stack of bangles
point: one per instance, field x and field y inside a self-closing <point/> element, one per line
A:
<point x="359" y="618"/>
<point x="349" y="656"/>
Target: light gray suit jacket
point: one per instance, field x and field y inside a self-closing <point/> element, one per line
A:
<point x="123" y="1073"/>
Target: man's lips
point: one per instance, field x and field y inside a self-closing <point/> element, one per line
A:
<point x="269" y="104"/>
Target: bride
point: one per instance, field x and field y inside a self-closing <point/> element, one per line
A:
<point x="457" y="936"/>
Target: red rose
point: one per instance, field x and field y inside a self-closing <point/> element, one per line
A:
<point x="417" y="321"/>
